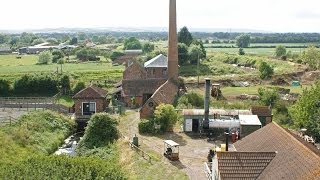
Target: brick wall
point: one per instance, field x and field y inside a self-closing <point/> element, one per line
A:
<point x="157" y="72"/>
<point x="101" y="105"/>
<point x="134" y="71"/>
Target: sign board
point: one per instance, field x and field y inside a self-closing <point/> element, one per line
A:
<point x="188" y="125"/>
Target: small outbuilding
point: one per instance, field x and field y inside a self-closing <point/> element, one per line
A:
<point x="249" y="124"/>
<point x="89" y="101"/>
<point x="264" y="114"/>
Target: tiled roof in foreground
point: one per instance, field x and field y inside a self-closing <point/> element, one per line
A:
<point x="293" y="159"/>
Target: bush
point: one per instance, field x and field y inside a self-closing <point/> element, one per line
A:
<point x="165" y="116"/>
<point x="45" y="57"/>
<point x="266" y="71"/>
<point x="146" y="126"/>
<point x="241" y="51"/>
<point x="269" y="97"/>
<point x="100" y="131"/>
<point x="281" y="51"/>
<point x="57" y="55"/>
<point x="78" y="87"/>
<point x="116" y="54"/>
<point x="4" y="87"/>
<point x="191" y="99"/>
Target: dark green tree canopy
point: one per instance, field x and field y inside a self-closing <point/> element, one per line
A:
<point x="132" y="43"/>
<point x="243" y="41"/>
<point x="182" y="54"/>
<point x="147" y="47"/>
<point x="184" y="36"/>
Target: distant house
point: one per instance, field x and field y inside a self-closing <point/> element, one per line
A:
<point x="4" y="50"/>
<point x="89" y="101"/>
<point x="36" y="49"/>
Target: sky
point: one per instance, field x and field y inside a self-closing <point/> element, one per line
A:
<point x="265" y="15"/>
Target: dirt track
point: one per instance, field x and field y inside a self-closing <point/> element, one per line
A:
<point x="193" y="149"/>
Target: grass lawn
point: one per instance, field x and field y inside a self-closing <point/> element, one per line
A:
<point x="12" y="68"/>
<point x="66" y="100"/>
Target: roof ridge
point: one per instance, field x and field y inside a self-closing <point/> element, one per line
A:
<point x="296" y="140"/>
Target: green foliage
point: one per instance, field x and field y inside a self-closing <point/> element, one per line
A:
<point x="39" y="132"/>
<point x="147" y="47"/>
<point x="184" y="36"/>
<point x="132" y="43"/>
<point x="266" y="71"/>
<point x="311" y="56"/>
<point x="56" y="55"/>
<point x="64" y="84"/>
<point x="199" y="43"/>
<point x="281" y="51"/>
<point x="4" y="38"/>
<point x="195" y="53"/>
<point x="146" y="126"/>
<point x="268" y="96"/>
<point x="4" y="87"/>
<point x="241" y="52"/>
<point x="87" y="54"/>
<point x="191" y="99"/>
<point x="165" y="116"/>
<point x="116" y="54"/>
<point x="101" y="131"/>
<point x="305" y="112"/>
<point x="35" y="84"/>
<point x="182" y="54"/>
<point x="78" y="87"/>
<point x="45" y="57"/>
<point x="37" y="41"/>
<point x="73" y="41"/>
<point x="62" y="167"/>
<point x="243" y="40"/>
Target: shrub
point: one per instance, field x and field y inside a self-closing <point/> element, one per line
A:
<point x="266" y="71"/>
<point x="57" y="55"/>
<point x="192" y="98"/>
<point x="165" y="116"/>
<point x="281" y="51"/>
<point x="78" y="87"/>
<point x="241" y="51"/>
<point x="268" y="96"/>
<point x="101" y="131"/>
<point x="45" y="57"/>
<point x="146" y="126"/>
<point x="4" y="87"/>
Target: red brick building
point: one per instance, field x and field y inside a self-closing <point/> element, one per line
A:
<point x="89" y="101"/>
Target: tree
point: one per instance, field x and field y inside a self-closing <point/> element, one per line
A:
<point x="82" y="36"/>
<point x="147" y="47"/>
<point x="183" y="55"/>
<point x="184" y="36"/>
<point x="65" y="84"/>
<point x="78" y="87"/>
<point x="203" y="50"/>
<point x="312" y="57"/>
<point x="56" y="55"/>
<point x="52" y="41"/>
<point x="266" y="71"/>
<point x="132" y="43"/>
<point x="281" y="51"/>
<point x="243" y="41"/>
<point x="45" y="57"/>
<point x="305" y="112"/>
<point x="268" y="97"/>
<point x="74" y="41"/>
<point x="4" y="38"/>
<point x="194" y="54"/>
<point x="241" y="52"/>
<point x="37" y="41"/>
<point x="166" y="116"/>
<point x="4" y="87"/>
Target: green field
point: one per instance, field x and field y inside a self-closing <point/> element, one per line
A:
<point x="12" y="68"/>
<point x="256" y="51"/>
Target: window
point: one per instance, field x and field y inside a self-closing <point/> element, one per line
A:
<point x="88" y="108"/>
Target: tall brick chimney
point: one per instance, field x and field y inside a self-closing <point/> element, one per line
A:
<point x="173" y="42"/>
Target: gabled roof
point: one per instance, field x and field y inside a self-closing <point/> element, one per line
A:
<point x="165" y="93"/>
<point x="243" y="165"/>
<point x="293" y="159"/>
<point x="92" y="92"/>
<point x="261" y="110"/>
<point x="158" y="61"/>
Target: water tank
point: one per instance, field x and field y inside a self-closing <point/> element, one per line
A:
<point x="218" y="123"/>
<point x="135" y="141"/>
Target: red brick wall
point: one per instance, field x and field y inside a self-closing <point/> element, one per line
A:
<point x="146" y="112"/>
<point x="101" y="105"/>
<point x="135" y="71"/>
<point x="156" y="72"/>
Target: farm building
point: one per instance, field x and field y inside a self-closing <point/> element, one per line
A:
<point x="264" y="113"/>
<point x="42" y="47"/>
<point x="156" y="82"/>
<point x="89" y="101"/>
<point x="5" y="50"/>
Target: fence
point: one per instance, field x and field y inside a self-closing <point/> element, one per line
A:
<point x="143" y="154"/>
<point x="8" y="120"/>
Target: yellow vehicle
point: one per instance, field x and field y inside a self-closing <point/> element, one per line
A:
<point x="171" y="150"/>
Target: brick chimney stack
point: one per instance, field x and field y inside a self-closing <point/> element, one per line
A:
<point x="173" y="42"/>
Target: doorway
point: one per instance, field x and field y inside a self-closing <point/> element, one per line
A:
<point x="195" y="125"/>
